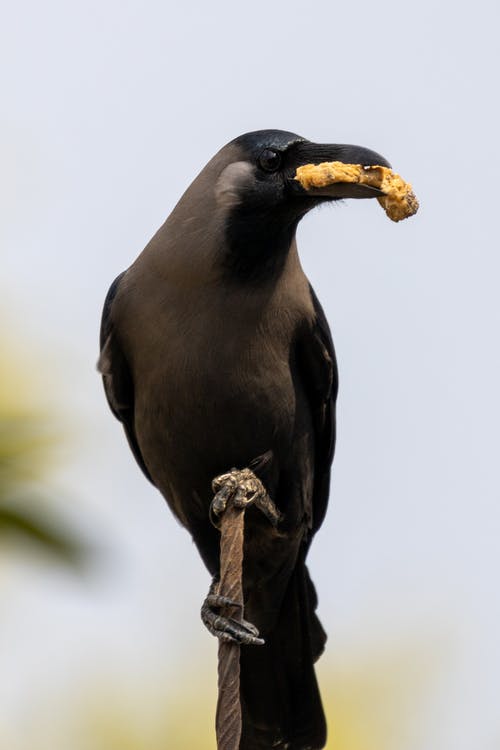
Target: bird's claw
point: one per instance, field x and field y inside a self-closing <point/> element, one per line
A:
<point x="243" y="488"/>
<point x="226" y="628"/>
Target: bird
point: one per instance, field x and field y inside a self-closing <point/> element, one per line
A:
<point x="215" y="353"/>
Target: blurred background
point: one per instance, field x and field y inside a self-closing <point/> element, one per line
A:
<point x="109" y="110"/>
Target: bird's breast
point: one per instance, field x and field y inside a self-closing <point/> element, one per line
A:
<point x="214" y="389"/>
<point x="213" y="385"/>
<point x="222" y="395"/>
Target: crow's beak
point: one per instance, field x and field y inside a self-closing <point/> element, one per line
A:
<point x="318" y="153"/>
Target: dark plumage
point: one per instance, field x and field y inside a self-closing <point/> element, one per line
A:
<point x="215" y="350"/>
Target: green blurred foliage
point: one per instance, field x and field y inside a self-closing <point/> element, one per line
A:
<point x="28" y="437"/>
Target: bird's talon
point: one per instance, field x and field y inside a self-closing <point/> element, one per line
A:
<point x="219" y="503"/>
<point x="243" y="488"/>
<point x="250" y="627"/>
<point x="215" y="601"/>
<point x="227" y="629"/>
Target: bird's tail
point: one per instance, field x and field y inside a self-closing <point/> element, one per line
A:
<point x="281" y="704"/>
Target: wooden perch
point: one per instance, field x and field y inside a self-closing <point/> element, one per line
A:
<point x="228" y="717"/>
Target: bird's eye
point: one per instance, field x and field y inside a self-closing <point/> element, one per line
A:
<point x="270" y="160"/>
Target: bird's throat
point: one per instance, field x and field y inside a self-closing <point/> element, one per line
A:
<point x="256" y="245"/>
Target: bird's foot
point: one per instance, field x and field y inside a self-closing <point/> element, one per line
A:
<point x="226" y="628"/>
<point x="242" y="488"/>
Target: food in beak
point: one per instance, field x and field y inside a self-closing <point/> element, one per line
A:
<point x="398" y="201"/>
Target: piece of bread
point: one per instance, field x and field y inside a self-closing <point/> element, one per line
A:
<point x="398" y="201"/>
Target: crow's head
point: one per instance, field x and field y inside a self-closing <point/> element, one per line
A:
<point x="263" y="176"/>
<point x="251" y="188"/>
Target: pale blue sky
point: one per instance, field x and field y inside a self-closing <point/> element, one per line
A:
<point x="109" y="110"/>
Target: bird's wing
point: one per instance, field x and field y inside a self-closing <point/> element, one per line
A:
<point x="116" y="376"/>
<point x="318" y="367"/>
